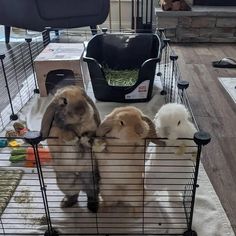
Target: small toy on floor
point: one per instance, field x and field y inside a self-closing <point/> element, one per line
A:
<point x="27" y="155"/>
<point x="20" y="128"/>
<point x="11" y="134"/>
<point x="14" y="135"/>
<point x="3" y="143"/>
<point x="17" y="155"/>
<point x="44" y="156"/>
<point x="14" y="143"/>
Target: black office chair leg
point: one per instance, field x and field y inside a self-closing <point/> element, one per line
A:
<point x="7" y="33"/>
<point x="93" y="29"/>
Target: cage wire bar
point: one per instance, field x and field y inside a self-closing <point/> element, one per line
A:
<point x="19" y="82"/>
<point x="174" y="88"/>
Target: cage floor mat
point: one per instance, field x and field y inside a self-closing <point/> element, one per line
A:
<point x="9" y="180"/>
<point x="25" y="212"/>
<point x="28" y="216"/>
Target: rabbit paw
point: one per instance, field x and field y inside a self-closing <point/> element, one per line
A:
<point x="99" y="145"/>
<point x="69" y="201"/>
<point x="180" y="150"/>
<point x="85" y="141"/>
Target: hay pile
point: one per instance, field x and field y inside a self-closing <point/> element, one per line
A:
<point x="122" y="78"/>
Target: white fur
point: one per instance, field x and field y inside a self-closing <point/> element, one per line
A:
<point x="121" y="170"/>
<point x="170" y="168"/>
<point x="172" y="122"/>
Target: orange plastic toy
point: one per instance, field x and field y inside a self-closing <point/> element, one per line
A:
<point x="44" y="156"/>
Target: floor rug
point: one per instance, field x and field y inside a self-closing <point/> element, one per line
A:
<point x="9" y="180"/>
<point x="230" y="86"/>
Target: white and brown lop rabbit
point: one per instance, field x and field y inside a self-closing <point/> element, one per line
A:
<point x="122" y="163"/>
<point x="72" y="118"/>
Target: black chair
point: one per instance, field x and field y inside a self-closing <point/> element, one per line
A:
<point x="37" y="14"/>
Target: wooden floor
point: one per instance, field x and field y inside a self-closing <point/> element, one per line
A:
<point x="215" y="112"/>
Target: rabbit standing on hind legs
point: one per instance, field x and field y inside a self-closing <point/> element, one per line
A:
<point x="122" y="162"/>
<point x="173" y="163"/>
<point x="72" y="119"/>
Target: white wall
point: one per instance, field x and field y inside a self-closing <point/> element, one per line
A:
<point x="114" y="15"/>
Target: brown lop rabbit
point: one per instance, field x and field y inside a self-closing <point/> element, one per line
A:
<point x="72" y="118"/>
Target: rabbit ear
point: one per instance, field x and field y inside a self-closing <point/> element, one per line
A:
<point x="96" y="113"/>
<point x="47" y="120"/>
<point x="139" y="129"/>
<point x="105" y="127"/>
<point x="152" y="131"/>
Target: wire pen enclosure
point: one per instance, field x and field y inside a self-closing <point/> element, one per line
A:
<point x="123" y="52"/>
<point x="18" y="81"/>
<point x="143" y="189"/>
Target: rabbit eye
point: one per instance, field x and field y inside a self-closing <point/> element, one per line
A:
<point x="179" y="123"/>
<point x="122" y="123"/>
<point x="64" y="101"/>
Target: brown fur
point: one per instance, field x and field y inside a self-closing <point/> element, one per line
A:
<point x="122" y="165"/>
<point x="79" y="109"/>
<point x="125" y="123"/>
<point x="72" y="119"/>
<point x="171" y="5"/>
<point x="68" y="122"/>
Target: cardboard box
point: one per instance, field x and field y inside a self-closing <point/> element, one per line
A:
<point x="58" y="56"/>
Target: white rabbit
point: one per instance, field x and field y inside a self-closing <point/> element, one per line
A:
<point x="172" y="122"/>
<point x="171" y="167"/>
<point x="72" y="119"/>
